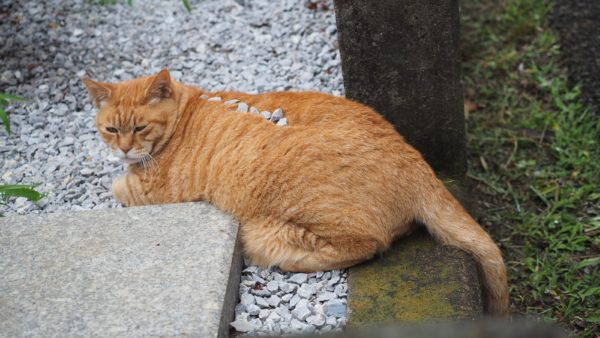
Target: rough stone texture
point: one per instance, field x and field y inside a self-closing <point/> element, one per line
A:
<point x="133" y="272"/>
<point x="403" y="59"/>
<point x="576" y="22"/>
<point x="417" y="279"/>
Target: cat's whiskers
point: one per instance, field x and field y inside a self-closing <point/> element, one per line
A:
<point x="145" y="165"/>
<point x="153" y="162"/>
<point x="149" y="163"/>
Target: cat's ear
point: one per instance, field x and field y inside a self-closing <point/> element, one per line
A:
<point x="99" y="91"/>
<point x="160" y="88"/>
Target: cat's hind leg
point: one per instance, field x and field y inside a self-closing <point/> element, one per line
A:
<point x="271" y="242"/>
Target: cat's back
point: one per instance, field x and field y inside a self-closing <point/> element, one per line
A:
<point x="316" y="110"/>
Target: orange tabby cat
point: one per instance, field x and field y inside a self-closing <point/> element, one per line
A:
<point x="330" y="190"/>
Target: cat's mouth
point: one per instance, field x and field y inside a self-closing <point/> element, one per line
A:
<point x="130" y="158"/>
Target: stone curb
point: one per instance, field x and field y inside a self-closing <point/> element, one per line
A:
<point x="418" y="279"/>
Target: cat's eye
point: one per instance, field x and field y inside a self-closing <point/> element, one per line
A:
<point x="112" y="130"/>
<point x="138" y="129"/>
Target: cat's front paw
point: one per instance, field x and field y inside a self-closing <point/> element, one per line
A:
<point x="121" y="191"/>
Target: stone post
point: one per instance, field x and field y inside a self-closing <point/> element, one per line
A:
<point x="402" y="58"/>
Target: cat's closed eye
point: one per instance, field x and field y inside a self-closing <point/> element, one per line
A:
<point x="112" y="130"/>
<point x="138" y="129"/>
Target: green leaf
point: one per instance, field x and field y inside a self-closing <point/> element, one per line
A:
<point x="587" y="262"/>
<point x="4" y="119"/>
<point x="593" y="319"/>
<point x="20" y="190"/>
<point x="591" y="292"/>
<point x="4" y="96"/>
<point x="130" y="3"/>
<point x="186" y="4"/>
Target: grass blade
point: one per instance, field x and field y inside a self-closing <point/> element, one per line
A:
<point x="4" y="96"/>
<point x="4" y="119"/>
<point x="186" y="4"/>
<point x="20" y="190"/>
<point x="588" y="262"/>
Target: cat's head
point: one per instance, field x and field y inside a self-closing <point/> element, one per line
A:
<point x="135" y="117"/>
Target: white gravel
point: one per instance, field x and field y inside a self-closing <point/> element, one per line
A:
<point x="252" y="46"/>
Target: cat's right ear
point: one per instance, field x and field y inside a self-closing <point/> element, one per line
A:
<point x="99" y="91"/>
<point x="160" y="88"/>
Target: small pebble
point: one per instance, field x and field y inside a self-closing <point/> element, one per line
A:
<point x="247" y="299"/>
<point x="297" y="325"/>
<point x="298" y="278"/>
<point x="242" y="107"/>
<point x="277" y="115"/>
<point x="243" y="326"/>
<point x="230" y="102"/>
<point x="262" y="302"/>
<point x="295" y="299"/>
<point x="273" y="286"/>
<point x="286" y="298"/>
<point x="252" y="309"/>
<point x="335" y="308"/>
<point x="274" y="301"/>
<point x="283" y="312"/>
<point x="273" y="316"/>
<point x="264" y="314"/>
<point x="302" y="310"/>
<point x="266" y="115"/>
<point x="307" y="290"/>
<point x="325" y="296"/>
<point x="317" y="320"/>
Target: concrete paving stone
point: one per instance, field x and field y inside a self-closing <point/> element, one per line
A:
<point x="170" y="270"/>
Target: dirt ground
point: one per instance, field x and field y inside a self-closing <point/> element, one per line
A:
<point x="578" y="25"/>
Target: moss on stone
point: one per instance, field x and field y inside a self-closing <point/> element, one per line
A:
<point x="417" y="279"/>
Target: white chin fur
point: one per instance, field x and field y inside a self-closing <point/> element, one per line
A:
<point x="131" y="160"/>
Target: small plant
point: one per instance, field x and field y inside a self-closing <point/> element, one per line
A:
<point x="4" y="100"/>
<point x="18" y="190"/>
<point x="14" y="190"/>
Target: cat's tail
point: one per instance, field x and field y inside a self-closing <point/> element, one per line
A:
<point x="447" y="221"/>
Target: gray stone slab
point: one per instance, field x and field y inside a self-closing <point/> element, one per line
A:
<point x="170" y="270"/>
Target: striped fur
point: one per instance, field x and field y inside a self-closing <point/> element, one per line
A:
<point x="329" y="191"/>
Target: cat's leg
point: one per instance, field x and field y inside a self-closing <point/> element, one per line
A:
<point x="270" y="242"/>
<point x="128" y="190"/>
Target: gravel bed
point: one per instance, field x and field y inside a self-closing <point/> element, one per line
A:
<point x="251" y="46"/>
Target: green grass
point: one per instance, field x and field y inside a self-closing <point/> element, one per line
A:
<point x="4" y="101"/>
<point x="534" y="154"/>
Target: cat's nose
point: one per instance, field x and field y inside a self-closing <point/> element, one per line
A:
<point x="125" y="150"/>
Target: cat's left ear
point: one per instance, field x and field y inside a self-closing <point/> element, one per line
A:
<point x="160" y="88"/>
<point x="99" y="91"/>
